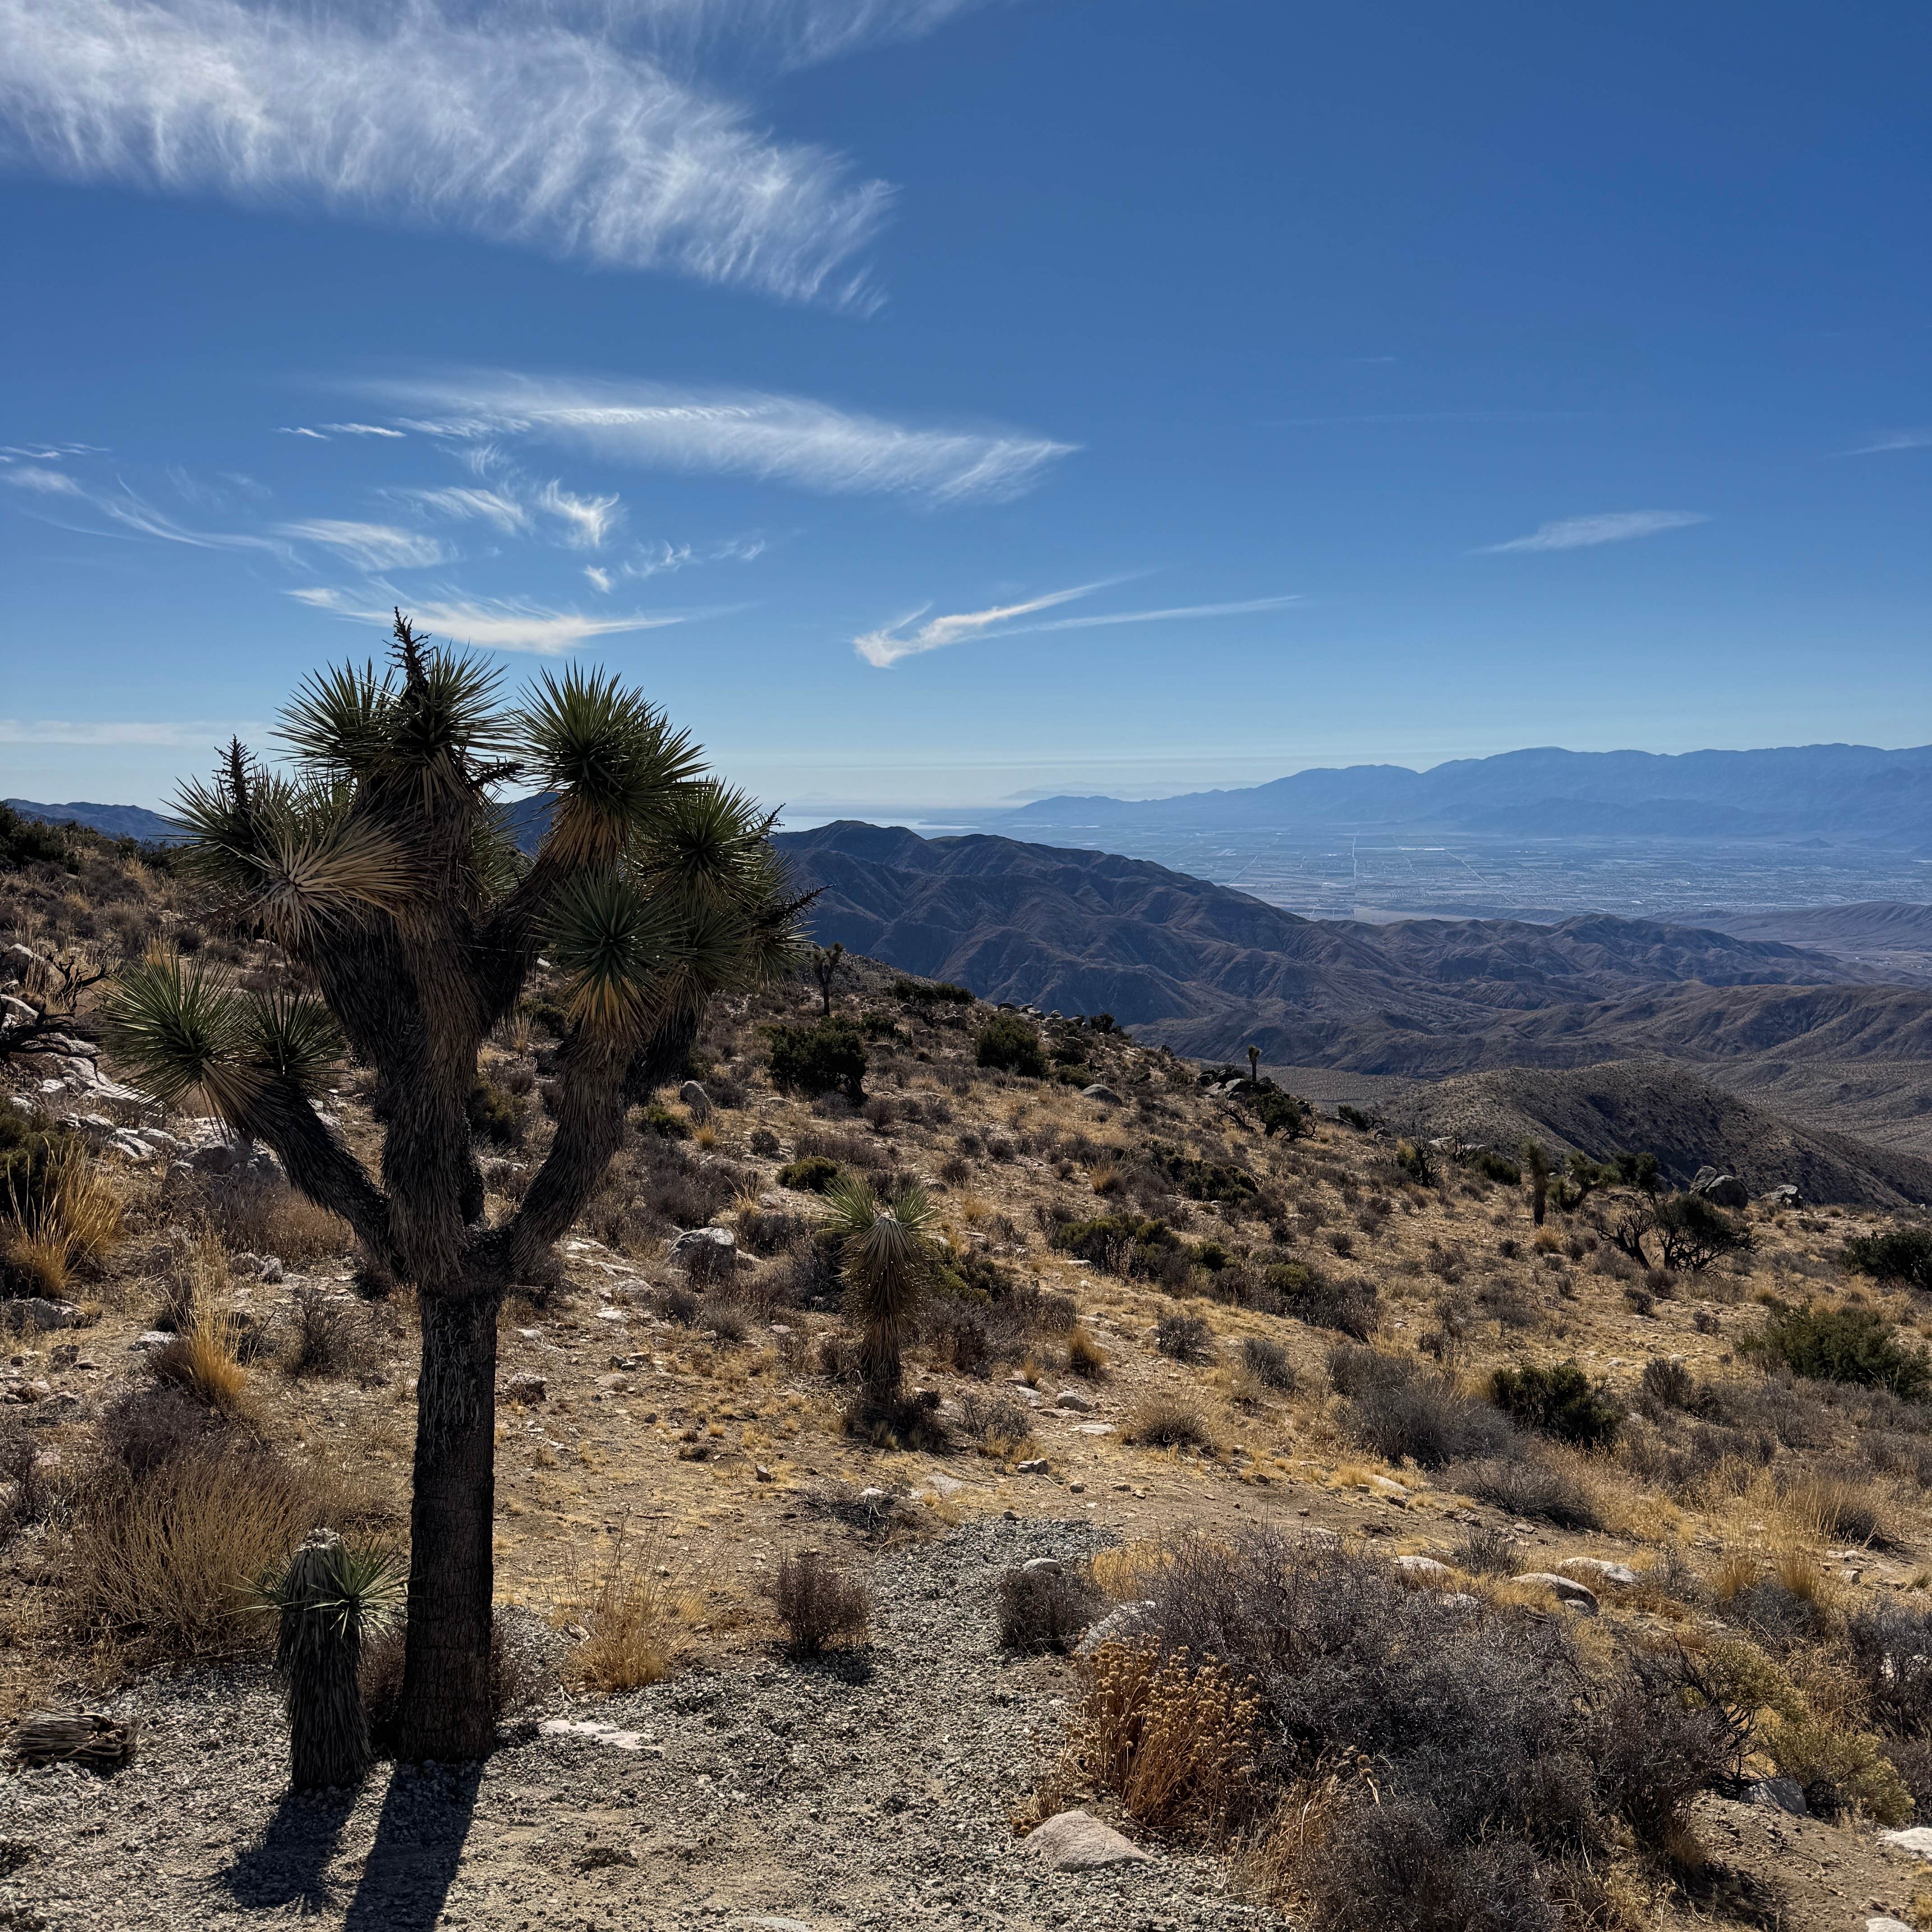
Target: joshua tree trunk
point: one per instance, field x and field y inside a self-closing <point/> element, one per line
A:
<point x="447" y="1711"/>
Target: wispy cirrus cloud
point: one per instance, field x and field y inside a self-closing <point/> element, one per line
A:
<point x="791" y="440"/>
<point x="1895" y="439"/>
<point x="1582" y="532"/>
<point x="588" y="520"/>
<point x="497" y="624"/>
<point x="370" y="547"/>
<point x="503" y="123"/>
<point x="48" y="482"/>
<point x="885" y="648"/>
<point x="125" y="511"/>
<point x="780" y="33"/>
<point x="137" y="731"/>
<point x="490" y="506"/>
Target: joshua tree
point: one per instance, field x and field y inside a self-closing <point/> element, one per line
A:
<point x="1254" y="1066"/>
<point x="381" y="866"/>
<point x="1536" y="1165"/>
<point x="330" y="1597"/>
<point x="826" y="961"/>
<point x="890" y="1260"/>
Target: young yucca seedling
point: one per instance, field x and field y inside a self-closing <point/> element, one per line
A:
<point x="330" y="1597"/>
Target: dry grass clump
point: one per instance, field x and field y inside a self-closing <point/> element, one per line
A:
<point x="205" y="1359"/>
<point x="995" y="1425"/>
<point x="818" y="1605"/>
<point x="1174" y="1741"/>
<point x="1085" y="1356"/>
<point x="268" y="1217"/>
<point x="1397" y="1407"/>
<point x="66" y="1215"/>
<point x="1162" y="1421"/>
<point x="630" y="1608"/>
<point x="162" y="1554"/>
<point x="1184" y="1338"/>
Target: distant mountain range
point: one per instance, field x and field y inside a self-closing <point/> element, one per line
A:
<point x="117" y="821"/>
<point x="1831" y="791"/>
<point x="1209" y="971"/>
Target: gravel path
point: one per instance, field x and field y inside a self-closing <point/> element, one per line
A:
<point x="873" y="1793"/>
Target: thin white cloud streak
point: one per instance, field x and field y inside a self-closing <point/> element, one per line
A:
<point x="510" y="128"/>
<point x="600" y="579"/>
<point x="783" y="33"/>
<point x="370" y="546"/>
<point x="64" y="731"/>
<point x="885" y="647"/>
<point x="362" y="429"/>
<point x="779" y="439"/>
<point x="489" y="506"/>
<point x="1583" y="532"/>
<point x="313" y="435"/>
<point x="1903" y="438"/>
<point x="133" y="513"/>
<point x="49" y="482"/>
<point x="1247" y="607"/>
<point x="498" y="624"/>
<point x="590" y="519"/>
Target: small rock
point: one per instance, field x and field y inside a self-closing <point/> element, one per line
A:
<point x="35" y="1312"/>
<point x="1074" y="1399"/>
<point x="1118" y="1625"/>
<point x="1046" y="1566"/>
<point x="145" y="1343"/>
<point x="1886" y="1924"/>
<point x="1033" y="1465"/>
<point x="1078" y="1841"/>
<point x="1782" y="1794"/>
<point x="1595" y="1570"/>
<point x="1095" y="1429"/>
<point x="763" y="1475"/>
<point x="1915" y="1838"/>
<point x="696" y="1099"/>
<point x="1389" y="1489"/>
<point x="1425" y="1567"/>
<point x="1106" y="1095"/>
<point x="1570" y="1594"/>
<point x="693" y="1239"/>
<point x="526" y="1385"/>
<point x="778" y="1924"/>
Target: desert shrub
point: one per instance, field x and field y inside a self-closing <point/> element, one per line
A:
<point x="262" y="1216"/>
<point x="1184" y="1338"/>
<point x="1085" y="1357"/>
<point x="1900" y="1254"/>
<point x="1562" y="1402"/>
<point x="1666" y="1385"/>
<point x="813" y="1173"/>
<point x="817" y="1605"/>
<point x="828" y="1056"/>
<point x="1045" y="1608"/>
<point x="1160" y="1421"/>
<point x="1890" y="1648"/>
<point x="1350" y="1307"/>
<point x="1011" y="1045"/>
<point x="1692" y="1231"/>
<point x="1535" y="1486"/>
<point x="631" y="1612"/>
<point x="329" y="1337"/>
<point x="28" y="1492"/>
<point x="1486" y="1552"/>
<point x="1354" y="1116"/>
<point x="1840" y="1344"/>
<point x="162" y="1556"/>
<point x="764" y="1143"/>
<point x="495" y="1113"/>
<point x="1267" y="1362"/>
<point x="1493" y="1166"/>
<point x="1485" y="1749"/>
<point x="1202" y="1179"/>
<point x="1398" y="1408"/>
<point x="1174" y="1740"/>
<point x="656" y="1118"/>
<point x="995" y="1425"/>
<point x="768" y="1231"/>
<point x="929" y="994"/>
<point x="1123" y="1244"/>
<point x="28" y="842"/>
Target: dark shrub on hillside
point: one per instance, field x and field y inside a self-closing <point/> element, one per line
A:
<point x="1354" y="1116"/>
<point x="817" y="1605"/>
<point x="1694" y="1233"/>
<point x="827" y="1057"/>
<point x="1493" y="1166"/>
<point x="1184" y="1338"/>
<point x="1351" y="1307"/>
<point x="767" y="1231"/>
<point x="1398" y="1408"/>
<point x="1203" y="1179"/>
<point x="1267" y="1362"/>
<point x="1046" y="1608"/>
<point x="658" y="1119"/>
<point x="1841" y="1345"/>
<point x="1890" y="1648"/>
<point x="763" y="1142"/>
<point x="936" y="993"/>
<point x="1562" y="1402"/>
<point x="812" y="1173"/>
<point x="1901" y="1254"/>
<point x="495" y="1114"/>
<point x="1528" y="1485"/>
<point x="1012" y="1045"/>
<point x="1122" y="1244"/>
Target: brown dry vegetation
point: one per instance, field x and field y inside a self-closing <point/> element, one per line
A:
<point x="1310" y="1347"/>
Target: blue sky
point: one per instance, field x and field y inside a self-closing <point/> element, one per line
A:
<point x="938" y="402"/>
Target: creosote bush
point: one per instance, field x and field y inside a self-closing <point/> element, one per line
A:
<point x="1841" y="1345"/>
<point x="818" y="1606"/>
<point x="1562" y="1402"/>
<point x="1168" y="1422"/>
<point x="1184" y="1338"/>
<point x="1399" y="1408"/>
<point x="827" y="1057"/>
<point x="1898" y="1254"/>
<point x="1010" y="1045"/>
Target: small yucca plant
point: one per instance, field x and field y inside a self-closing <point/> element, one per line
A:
<point x="331" y="1597"/>
<point x="890" y="1260"/>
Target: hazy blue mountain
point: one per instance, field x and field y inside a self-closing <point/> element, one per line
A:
<point x="117" y="821"/>
<point x="1836" y="791"/>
